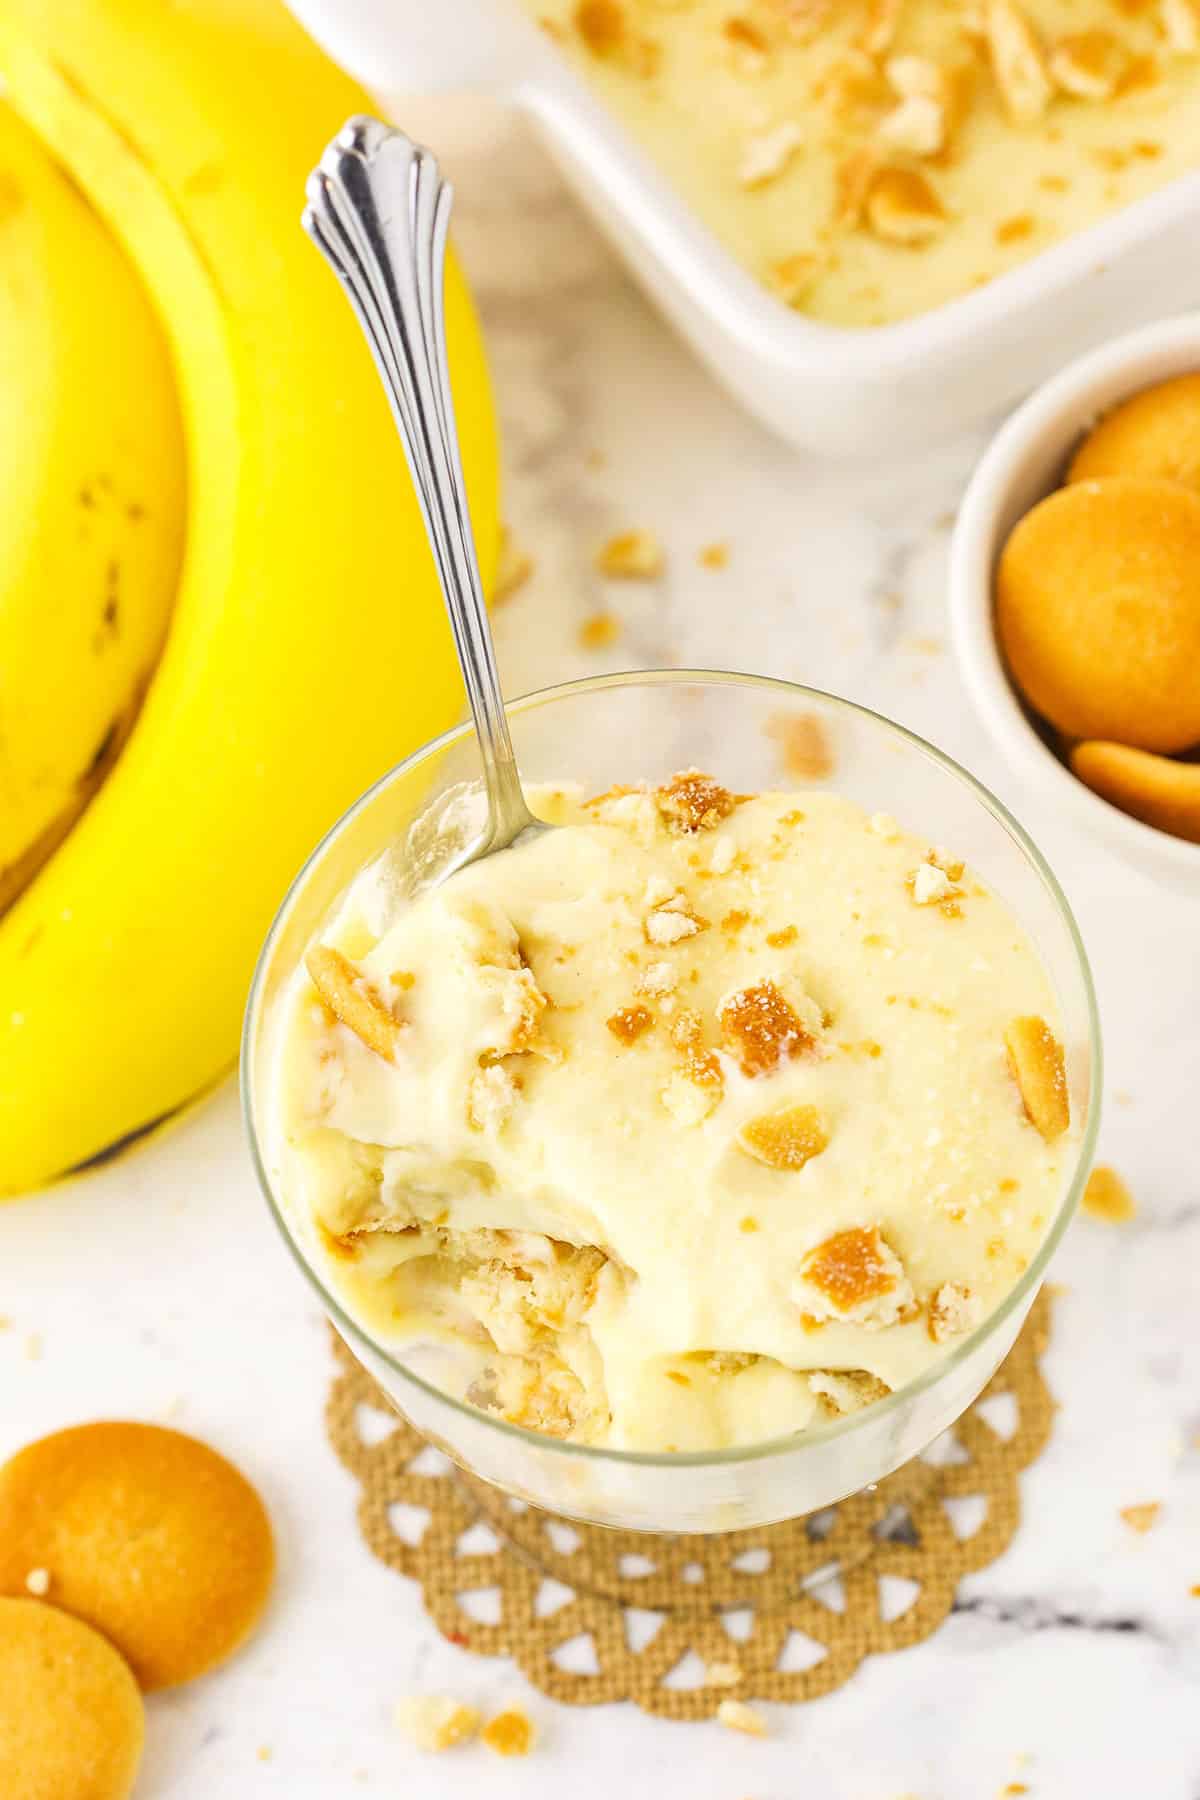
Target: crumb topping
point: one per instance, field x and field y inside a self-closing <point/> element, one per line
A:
<point x="692" y="801"/>
<point x="701" y="1065"/>
<point x="1035" y="1061"/>
<point x="762" y="1029"/>
<point x="630" y="1023"/>
<point x="856" y="1274"/>
<point x="1018" y="62"/>
<point x="672" y="920"/>
<point x="787" y="1139"/>
<point x="767" y="155"/>
<point x="902" y="207"/>
<point x="658" y="980"/>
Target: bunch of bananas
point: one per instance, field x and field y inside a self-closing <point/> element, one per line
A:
<point x="218" y="617"/>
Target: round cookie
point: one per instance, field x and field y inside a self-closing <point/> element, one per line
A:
<point x="1098" y="611"/>
<point x="148" y="1535"/>
<point x="71" y="1717"/>
<point x="1154" y="435"/>
<point x="1153" y="789"/>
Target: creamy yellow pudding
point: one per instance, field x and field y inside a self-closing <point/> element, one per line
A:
<point x="871" y="159"/>
<point x="701" y="1119"/>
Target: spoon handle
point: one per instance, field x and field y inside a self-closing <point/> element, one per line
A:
<point x="378" y="210"/>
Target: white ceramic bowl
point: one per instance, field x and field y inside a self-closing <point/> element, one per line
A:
<point x="1026" y="461"/>
<point x="891" y="388"/>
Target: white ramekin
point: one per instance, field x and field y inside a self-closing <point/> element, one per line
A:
<point x="1026" y="460"/>
<point x="892" y="388"/>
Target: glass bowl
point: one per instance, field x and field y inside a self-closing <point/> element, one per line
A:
<point x="644" y="726"/>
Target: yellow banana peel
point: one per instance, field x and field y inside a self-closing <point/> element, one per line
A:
<point x="308" y="650"/>
<point x="91" y="504"/>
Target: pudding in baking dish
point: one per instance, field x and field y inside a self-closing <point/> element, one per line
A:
<point x="869" y="160"/>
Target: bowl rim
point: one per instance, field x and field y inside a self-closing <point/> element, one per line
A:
<point x="1018" y="1296"/>
<point x="1071" y="395"/>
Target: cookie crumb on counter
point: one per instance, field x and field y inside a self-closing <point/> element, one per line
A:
<point x="599" y="631"/>
<point x="737" y="1716"/>
<point x="1106" y="1197"/>
<point x="1143" y="1517"/>
<point x="713" y="556"/>
<point x="510" y="1733"/>
<point x="631" y="556"/>
<point x="436" y="1721"/>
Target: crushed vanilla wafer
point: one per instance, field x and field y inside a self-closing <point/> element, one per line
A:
<point x="1035" y="1058"/>
<point x="1143" y="1517"/>
<point x="785" y="1140"/>
<point x="632" y="556"/>
<point x="510" y="1733"/>
<point x="737" y="1716"/>
<point x="354" y="1001"/>
<point x="436" y="1721"/>
<point x="1107" y="1197"/>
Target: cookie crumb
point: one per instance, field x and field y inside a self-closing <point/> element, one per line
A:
<point x="510" y="1733"/>
<point x="33" y="1346"/>
<point x="737" y="1716"/>
<point x="713" y="556"/>
<point x="599" y="631"/>
<point x="631" y="556"/>
<point x="436" y="1721"/>
<point x="1106" y="1197"/>
<point x="1143" y="1517"/>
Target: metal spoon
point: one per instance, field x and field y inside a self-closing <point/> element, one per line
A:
<point x="378" y="210"/>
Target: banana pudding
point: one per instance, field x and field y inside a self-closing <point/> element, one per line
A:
<point x="701" y="1119"/>
<point x="871" y="159"/>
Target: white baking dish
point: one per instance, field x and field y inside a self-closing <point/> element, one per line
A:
<point x="889" y="388"/>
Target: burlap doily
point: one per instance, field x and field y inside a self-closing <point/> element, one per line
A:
<point x="784" y="1613"/>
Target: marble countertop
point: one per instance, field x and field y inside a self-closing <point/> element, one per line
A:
<point x="156" y="1287"/>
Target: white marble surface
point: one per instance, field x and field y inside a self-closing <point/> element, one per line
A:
<point x="156" y="1288"/>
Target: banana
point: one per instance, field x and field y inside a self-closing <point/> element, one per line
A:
<point x="308" y="650"/>
<point x="91" y="504"/>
